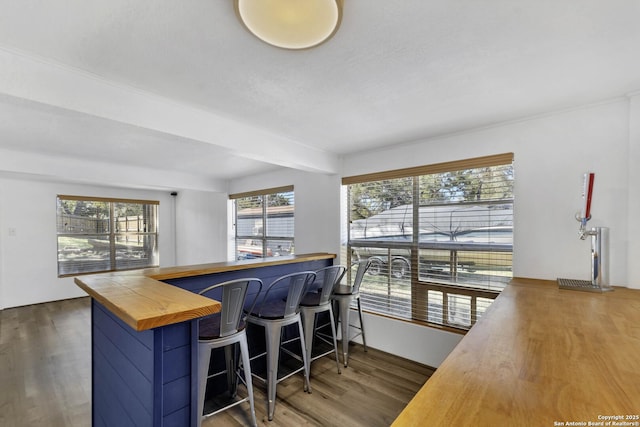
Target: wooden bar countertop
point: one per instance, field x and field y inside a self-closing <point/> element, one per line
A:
<point x="540" y="356"/>
<point x="142" y="301"/>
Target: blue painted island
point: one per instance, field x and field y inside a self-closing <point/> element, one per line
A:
<point x="145" y="336"/>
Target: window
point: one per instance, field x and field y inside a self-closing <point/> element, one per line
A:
<point x="263" y="223"/>
<point x="439" y="238"/>
<point x="99" y="235"/>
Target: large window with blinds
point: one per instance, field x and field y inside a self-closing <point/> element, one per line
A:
<point x="438" y="238"/>
<point x="264" y="223"/>
<point x="102" y="234"/>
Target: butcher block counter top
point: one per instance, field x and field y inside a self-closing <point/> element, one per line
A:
<point x="141" y="300"/>
<point x="540" y="356"/>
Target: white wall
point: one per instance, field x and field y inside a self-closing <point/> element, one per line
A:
<point x="28" y="259"/>
<point x="633" y="193"/>
<point x="201" y="224"/>
<point x="551" y="154"/>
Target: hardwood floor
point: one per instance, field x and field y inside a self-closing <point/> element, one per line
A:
<point x="45" y="364"/>
<point x="370" y="392"/>
<point x="45" y="373"/>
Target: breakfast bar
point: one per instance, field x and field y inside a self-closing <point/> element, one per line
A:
<point x="145" y="333"/>
<point x="540" y="356"/>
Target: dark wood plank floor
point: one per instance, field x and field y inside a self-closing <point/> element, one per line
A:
<point x="45" y="377"/>
<point x="45" y="364"/>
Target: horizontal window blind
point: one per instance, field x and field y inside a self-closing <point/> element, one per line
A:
<point x="264" y="222"/>
<point x="439" y="244"/>
<point x="250" y="194"/>
<point x="98" y="234"/>
<point x="444" y="167"/>
<point x="107" y="199"/>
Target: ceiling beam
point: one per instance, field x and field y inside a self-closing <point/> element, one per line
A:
<point x="34" y="79"/>
<point x="49" y="167"/>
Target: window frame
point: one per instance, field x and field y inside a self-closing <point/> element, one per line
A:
<point x="264" y="213"/>
<point x="420" y="288"/>
<point x="114" y="233"/>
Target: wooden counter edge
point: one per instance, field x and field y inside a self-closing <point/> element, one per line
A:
<point x="167" y="273"/>
<point x="124" y="293"/>
<point x="144" y="303"/>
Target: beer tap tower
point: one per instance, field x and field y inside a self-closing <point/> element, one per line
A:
<point x="599" y="247"/>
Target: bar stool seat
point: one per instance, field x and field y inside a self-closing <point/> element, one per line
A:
<point x="279" y="308"/>
<point x="343" y="295"/>
<point x="226" y="329"/>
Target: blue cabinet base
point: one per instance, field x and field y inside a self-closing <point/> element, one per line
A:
<point x="142" y="378"/>
<point x="149" y="378"/>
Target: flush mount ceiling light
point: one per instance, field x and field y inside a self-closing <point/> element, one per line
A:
<point x="291" y="24"/>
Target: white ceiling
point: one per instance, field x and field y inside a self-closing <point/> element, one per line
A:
<point x="181" y="86"/>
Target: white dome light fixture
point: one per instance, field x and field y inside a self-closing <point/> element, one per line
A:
<point x="291" y="24"/>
